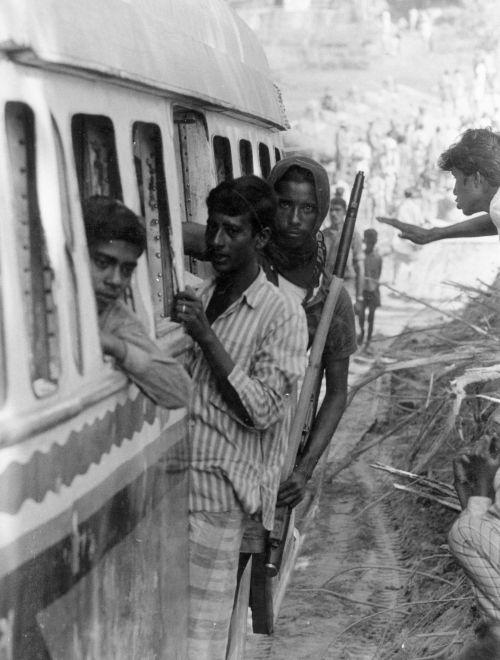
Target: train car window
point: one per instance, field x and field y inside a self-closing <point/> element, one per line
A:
<point x="95" y="156"/>
<point x="148" y="161"/>
<point x="35" y="270"/>
<point x="246" y="157"/>
<point x="69" y="247"/>
<point x="222" y="155"/>
<point x="277" y="154"/>
<point x="264" y="160"/>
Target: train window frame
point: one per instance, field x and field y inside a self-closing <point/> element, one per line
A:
<point x="277" y="154"/>
<point x="246" y="159"/>
<point x="223" y="162"/>
<point x="75" y="317"/>
<point x="147" y="145"/>
<point x="264" y="160"/>
<point x="36" y="273"/>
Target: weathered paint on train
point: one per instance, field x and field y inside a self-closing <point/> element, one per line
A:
<point x="151" y="101"/>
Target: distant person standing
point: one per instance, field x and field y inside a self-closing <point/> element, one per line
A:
<point x="371" y="289"/>
<point x="353" y="278"/>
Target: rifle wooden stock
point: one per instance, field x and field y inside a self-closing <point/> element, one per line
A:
<point x="312" y="380"/>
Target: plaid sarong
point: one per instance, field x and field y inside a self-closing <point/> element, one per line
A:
<point x="214" y="546"/>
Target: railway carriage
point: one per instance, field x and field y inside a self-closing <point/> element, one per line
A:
<point x="152" y="102"/>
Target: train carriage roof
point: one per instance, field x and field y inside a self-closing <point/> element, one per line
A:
<point x="194" y="48"/>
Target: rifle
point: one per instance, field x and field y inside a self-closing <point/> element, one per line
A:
<point x="309" y="393"/>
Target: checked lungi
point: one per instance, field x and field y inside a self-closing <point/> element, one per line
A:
<point x="474" y="541"/>
<point x="214" y="542"/>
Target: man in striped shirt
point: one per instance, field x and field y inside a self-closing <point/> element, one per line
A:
<point x="474" y="540"/>
<point x="249" y="349"/>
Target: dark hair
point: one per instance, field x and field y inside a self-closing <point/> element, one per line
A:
<point x="371" y="233"/>
<point x="297" y="174"/>
<point x="108" y="219"/>
<point x="247" y="195"/>
<point x="338" y="201"/>
<point x="478" y="150"/>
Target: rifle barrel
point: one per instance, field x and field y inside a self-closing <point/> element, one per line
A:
<point x="348" y="228"/>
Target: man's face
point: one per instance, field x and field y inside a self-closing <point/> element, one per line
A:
<point x="337" y="215"/>
<point x="370" y="242"/>
<point x="297" y="214"/>
<point x="111" y="266"/>
<point x="231" y="243"/>
<point x="472" y="193"/>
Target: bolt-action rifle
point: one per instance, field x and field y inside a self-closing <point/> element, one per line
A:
<point x="309" y="393"/>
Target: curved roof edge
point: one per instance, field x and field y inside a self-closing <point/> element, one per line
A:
<point x="194" y="48"/>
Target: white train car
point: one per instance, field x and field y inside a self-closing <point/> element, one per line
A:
<point x="152" y="102"/>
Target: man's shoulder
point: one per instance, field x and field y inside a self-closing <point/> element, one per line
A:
<point x="120" y="312"/>
<point x="277" y="300"/>
<point x="121" y="318"/>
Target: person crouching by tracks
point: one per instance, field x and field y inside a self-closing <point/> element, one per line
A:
<point x="116" y="239"/>
<point x="474" y="540"/>
<point x="249" y="350"/>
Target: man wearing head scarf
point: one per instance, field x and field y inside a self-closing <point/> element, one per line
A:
<point x="294" y="259"/>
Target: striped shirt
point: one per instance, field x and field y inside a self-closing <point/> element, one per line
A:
<point x="233" y="465"/>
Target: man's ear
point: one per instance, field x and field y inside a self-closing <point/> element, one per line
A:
<point x="262" y="237"/>
<point x="480" y="180"/>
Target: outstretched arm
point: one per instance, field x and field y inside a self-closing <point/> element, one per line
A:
<point x="479" y="226"/>
<point x="293" y="489"/>
<point x="159" y="376"/>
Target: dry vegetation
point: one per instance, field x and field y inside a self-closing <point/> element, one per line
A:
<point x="444" y="390"/>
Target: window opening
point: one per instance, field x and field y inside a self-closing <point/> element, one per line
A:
<point x="148" y="161"/>
<point x="265" y="160"/>
<point x="195" y="170"/>
<point x="36" y="272"/>
<point x="96" y="163"/>
<point x="246" y="158"/>
<point x="277" y="154"/>
<point x="95" y="156"/>
<point x="222" y="155"/>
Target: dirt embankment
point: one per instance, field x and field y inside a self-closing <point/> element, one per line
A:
<point x="375" y="580"/>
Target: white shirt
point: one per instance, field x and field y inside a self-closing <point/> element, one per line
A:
<point x="495" y="210"/>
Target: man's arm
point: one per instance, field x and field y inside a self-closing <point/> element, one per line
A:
<point x="474" y="473"/>
<point x="292" y="491"/>
<point x="257" y="397"/>
<point x="190" y="312"/>
<point x="193" y="238"/>
<point x="160" y="377"/>
<point x="479" y="226"/>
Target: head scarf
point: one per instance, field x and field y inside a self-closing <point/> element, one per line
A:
<point x="301" y="265"/>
